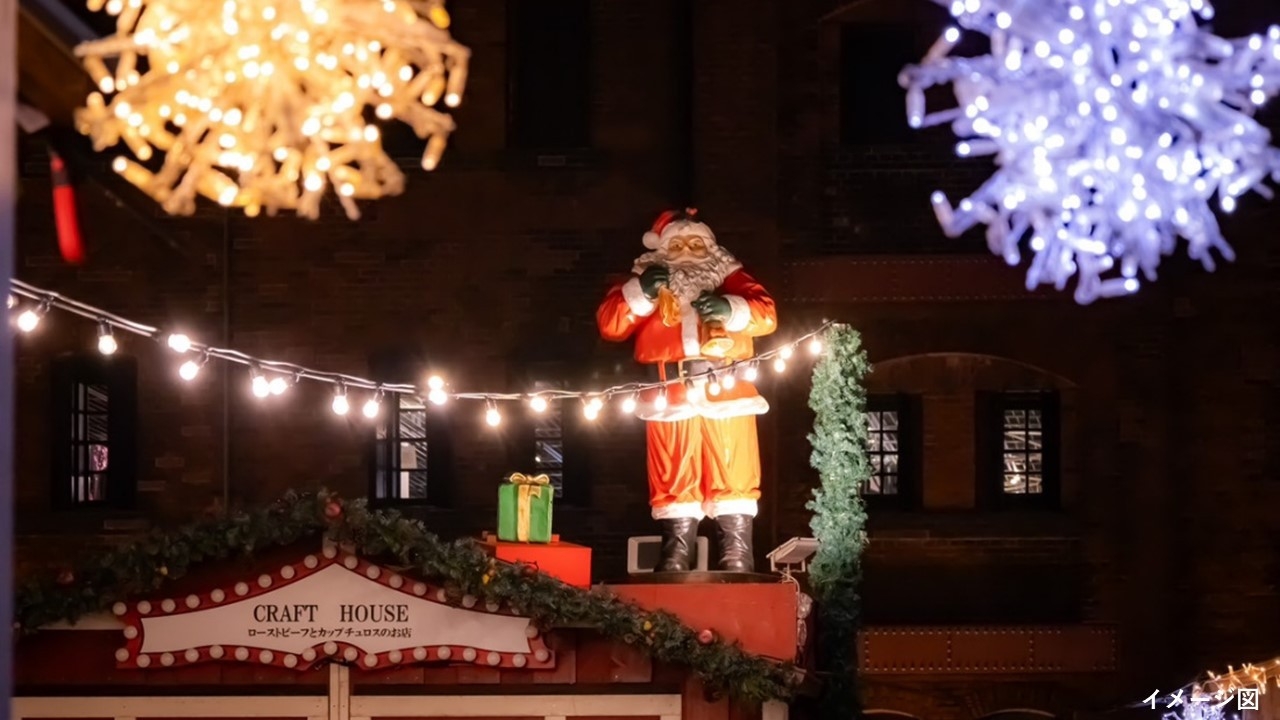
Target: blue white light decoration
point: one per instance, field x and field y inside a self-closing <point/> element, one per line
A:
<point x="1113" y="123"/>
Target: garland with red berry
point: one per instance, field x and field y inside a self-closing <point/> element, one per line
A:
<point x="145" y="565"/>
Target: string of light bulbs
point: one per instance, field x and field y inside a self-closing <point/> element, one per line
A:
<point x="274" y="377"/>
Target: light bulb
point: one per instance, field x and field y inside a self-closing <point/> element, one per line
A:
<point x="106" y="342"/>
<point x="492" y="416"/>
<point x="590" y="411"/>
<point x="435" y="382"/>
<point x="438" y="397"/>
<point x="179" y="342"/>
<point x="713" y="387"/>
<point x="660" y="402"/>
<point x="750" y="373"/>
<point x="340" y="403"/>
<point x="28" y="320"/>
<point x="786" y="352"/>
<point x="629" y="404"/>
<point x="538" y="403"/>
<point x="815" y="347"/>
<point x="371" y="408"/>
<point x="278" y="385"/>
<point x="779" y="365"/>
<point x="728" y="381"/>
<point x="12" y="301"/>
<point x="261" y="388"/>
<point x="188" y="370"/>
<point x="596" y="402"/>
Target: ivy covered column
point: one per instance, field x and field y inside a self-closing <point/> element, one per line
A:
<point x="839" y="442"/>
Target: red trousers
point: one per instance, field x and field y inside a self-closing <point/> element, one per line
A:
<point x="700" y="467"/>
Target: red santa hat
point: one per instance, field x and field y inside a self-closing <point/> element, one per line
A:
<point x="674" y="222"/>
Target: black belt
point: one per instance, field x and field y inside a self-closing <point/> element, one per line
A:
<point x="694" y="367"/>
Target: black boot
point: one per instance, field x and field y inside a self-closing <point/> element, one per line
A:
<point x="736" y="554"/>
<point x="678" y="537"/>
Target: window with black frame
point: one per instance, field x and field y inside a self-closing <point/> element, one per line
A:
<point x="94" y="431"/>
<point x="892" y="449"/>
<point x="412" y="454"/>
<point x="548" y="439"/>
<point x="402" y="471"/>
<point x="1023" y="446"/>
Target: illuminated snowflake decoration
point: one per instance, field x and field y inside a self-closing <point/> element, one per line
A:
<point x="1113" y="123"/>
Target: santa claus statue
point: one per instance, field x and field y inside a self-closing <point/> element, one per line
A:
<point x="693" y="312"/>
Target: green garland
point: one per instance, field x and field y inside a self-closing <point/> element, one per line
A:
<point x="839" y="442"/>
<point x="144" y="566"/>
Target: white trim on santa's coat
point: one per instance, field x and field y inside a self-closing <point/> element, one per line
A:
<point x="675" y="511"/>
<point x="639" y="305"/>
<point x="671" y="413"/>
<point x="689" y="330"/>
<point x="740" y="315"/>
<point x="740" y="506"/>
<point x="696" y="404"/>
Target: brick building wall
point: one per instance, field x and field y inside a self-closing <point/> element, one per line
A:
<point x="493" y="265"/>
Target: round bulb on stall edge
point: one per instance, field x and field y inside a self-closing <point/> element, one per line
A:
<point x="107" y="344"/>
<point x="728" y="381"/>
<point x="340" y="404"/>
<point x="590" y="412"/>
<point x="629" y="405"/>
<point x="660" y="402"/>
<point x="492" y="417"/>
<point x="278" y="385"/>
<point x="750" y="374"/>
<point x="179" y="342"/>
<point x="188" y="370"/>
<point x="815" y="346"/>
<point x="713" y="388"/>
<point x="779" y="365"/>
<point x="28" y="320"/>
<point x="371" y="408"/>
<point x="438" y="397"/>
<point x="785" y="353"/>
<point x="261" y="388"/>
<point x="435" y="382"/>
<point x="539" y="404"/>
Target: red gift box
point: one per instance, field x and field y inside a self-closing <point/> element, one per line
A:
<point x="566" y="561"/>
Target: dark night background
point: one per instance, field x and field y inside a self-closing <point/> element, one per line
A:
<point x="782" y="122"/>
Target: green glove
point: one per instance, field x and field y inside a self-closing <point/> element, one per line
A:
<point x="712" y="308"/>
<point x="653" y="277"/>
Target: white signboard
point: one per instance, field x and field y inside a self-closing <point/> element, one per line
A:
<point x="332" y="606"/>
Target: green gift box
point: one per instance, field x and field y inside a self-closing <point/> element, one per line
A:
<point x="524" y="508"/>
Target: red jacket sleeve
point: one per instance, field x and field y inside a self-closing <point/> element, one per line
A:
<point x="753" y="311"/>
<point x="621" y="310"/>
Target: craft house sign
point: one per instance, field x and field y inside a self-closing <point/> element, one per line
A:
<point x="331" y="606"/>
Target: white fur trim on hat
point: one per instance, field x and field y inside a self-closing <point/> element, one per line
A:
<point x="652" y="241"/>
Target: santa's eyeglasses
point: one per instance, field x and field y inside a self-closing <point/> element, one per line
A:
<point x="692" y="244"/>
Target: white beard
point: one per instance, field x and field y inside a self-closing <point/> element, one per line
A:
<point x="690" y="281"/>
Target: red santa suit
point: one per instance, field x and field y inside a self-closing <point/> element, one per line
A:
<point x="703" y="455"/>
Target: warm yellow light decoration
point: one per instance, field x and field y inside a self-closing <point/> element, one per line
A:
<point x="265" y="104"/>
<point x="1220" y="687"/>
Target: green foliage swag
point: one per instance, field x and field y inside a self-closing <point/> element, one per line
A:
<point x="839" y="442"/>
<point x="145" y="565"/>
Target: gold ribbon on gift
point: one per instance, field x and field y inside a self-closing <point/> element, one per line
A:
<point x="530" y="487"/>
